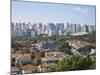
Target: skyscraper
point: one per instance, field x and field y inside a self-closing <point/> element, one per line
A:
<point x="51" y="29"/>
<point x="78" y="28"/>
<point x="68" y="29"/>
<point x="60" y="28"/>
<point x="73" y="28"/>
<point x="86" y="28"/>
<point x="32" y="34"/>
<point x="40" y="30"/>
<point x="29" y="33"/>
<point x="12" y="30"/>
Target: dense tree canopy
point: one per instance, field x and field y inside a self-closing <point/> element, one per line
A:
<point x="73" y="63"/>
<point x="65" y="47"/>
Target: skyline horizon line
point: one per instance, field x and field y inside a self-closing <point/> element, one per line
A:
<point x="52" y="22"/>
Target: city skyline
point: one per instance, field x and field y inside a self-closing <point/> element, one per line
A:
<point x="51" y="29"/>
<point x="52" y="12"/>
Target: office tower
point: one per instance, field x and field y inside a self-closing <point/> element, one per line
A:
<point x="19" y="26"/>
<point x="86" y="28"/>
<point x="36" y="29"/>
<point x="91" y="28"/>
<point x="12" y="26"/>
<point x="51" y="26"/>
<point x="45" y="29"/>
<point x="58" y="31"/>
<point x="12" y="30"/>
<point x="18" y="30"/>
<point x="71" y="25"/>
<point x="68" y="29"/>
<point x="27" y="26"/>
<point x="23" y="26"/>
<point x="29" y="33"/>
<point x="73" y="28"/>
<point x="60" y="28"/>
<point x="34" y="26"/>
<point x="94" y="28"/>
<point x="78" y="28"/>
<point x="49" y="32"/>
<point x="82" y="28"/>
<point x="32" y="33"/>
<point x="40" y="30"/>
<point x="24" y="29"/>
<point x="51" y="29"/>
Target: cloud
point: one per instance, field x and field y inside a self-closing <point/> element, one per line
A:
<point x="81" y="10"/>
<point x="77" y="9"/>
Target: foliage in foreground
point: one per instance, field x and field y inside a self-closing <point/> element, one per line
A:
<point x="74" y="63"/>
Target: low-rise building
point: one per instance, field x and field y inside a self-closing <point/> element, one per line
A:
<point x="14" y="70"/>
<point x="29" y="68"/>
<point x="25" y="59"/>
<point x="77" y="44"/>
<point x="52" y="58"/>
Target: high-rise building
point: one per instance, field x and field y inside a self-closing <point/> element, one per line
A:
<point x="60" y="28"/>
<point x="29" y="33"/>
<point x="51" y="29"/>
<point x="40" y="28"/>
<point x="91" y="28"/>
<point x="23" y="28"/>
<point x="18" y="30"/>
<point x="34" y="27"/>
<point x="12" y="30"/>
<point x="45" y="29"/>
<point x="82" y="28"/>
<point x="86" y="28"/>
<point x="68" y="29"/>
<point x="78" y="28"/>
<point x="73" y="28"/>
<point x="32" y="34"/>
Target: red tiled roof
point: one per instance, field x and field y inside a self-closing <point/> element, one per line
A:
<point x="28" y="68"/>
<point x="54" y="52"/>
<point x="51" y="58"/>
<point x="14" y="69"/>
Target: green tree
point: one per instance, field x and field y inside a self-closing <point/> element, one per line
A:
<point x="13" y="60"/>
<point x="37" y="60"/>
<point x="33" y="56"/>
<point x="42" y="54"/>
<point x="34" y="40"/>
<point x="92" y="37"/>
<point x="65" y="47"/>
<point x="73" y="63"/>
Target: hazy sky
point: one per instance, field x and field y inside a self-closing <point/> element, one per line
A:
<point x="50" y="12"/>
